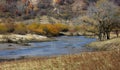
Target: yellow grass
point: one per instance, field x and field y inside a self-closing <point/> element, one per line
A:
<point x="107" y="60"/>
<point x="107" y="44"/>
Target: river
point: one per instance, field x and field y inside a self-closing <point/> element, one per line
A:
<point x="63" y="45"/>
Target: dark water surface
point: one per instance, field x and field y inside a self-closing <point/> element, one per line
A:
<point x="63" y="45"/>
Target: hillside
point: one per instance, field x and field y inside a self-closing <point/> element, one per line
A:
<point x="29" y="9"/>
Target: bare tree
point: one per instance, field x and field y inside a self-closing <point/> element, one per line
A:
<point x="105" y="12"/>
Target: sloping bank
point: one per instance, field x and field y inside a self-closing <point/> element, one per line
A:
<point x="16" y="38"/>
<point x="104" y="60"/>
<point x="112" y="44"/>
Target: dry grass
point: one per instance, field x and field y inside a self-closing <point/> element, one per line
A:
<point x="107" y="44"/>
<point x="105" y="60"/>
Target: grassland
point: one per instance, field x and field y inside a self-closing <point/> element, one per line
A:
<point x="103" y="60"/>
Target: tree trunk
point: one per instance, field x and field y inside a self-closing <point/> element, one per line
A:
<point x="117" y="33"/>
<point x="104" y="35"/>
<point x="108" y="35"/>
<point x="100" y="32"/>
<point x="100" y="36"/>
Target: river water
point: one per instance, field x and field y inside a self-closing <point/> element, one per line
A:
<point x="63" y="45"/>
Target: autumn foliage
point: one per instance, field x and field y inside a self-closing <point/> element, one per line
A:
<point x="34" y="28"/>
<point x="20" y="28"/>
<point x="47" y="29"/>
<point x="3" y="28"/>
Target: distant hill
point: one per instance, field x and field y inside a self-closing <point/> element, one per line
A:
<point x="27" y="9"/>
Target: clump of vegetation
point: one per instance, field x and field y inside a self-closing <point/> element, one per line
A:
<point x="47" y="29"/>
<point x="52" y="30"/>
<point x="32" y="27"/>
<point x="55" y="29"/>
<point x="61" y="27"/>
<point x="10" y="27"/>
<point x="20" y="28"/>
<point x="3" y="28"/>
<point x="40" y="31"/>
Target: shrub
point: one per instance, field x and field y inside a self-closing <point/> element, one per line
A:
<point x="55" y="29"/>
<point x="10" y="27"/>
<point x="36" y="28"/>
<point x="86" y="29"/>
<point x="81" y="27"/>
<point x="40" y="29"/>
<point x="9" y="23"/>
<point x="92" y="29"/>
<point x="52" y="30"/>
<point x="3" y="28"/>
<point x="47" y="29"/>
<point x="32" y="27"/>
<point x="20" y="28"/>
<point x="61" y="27"/>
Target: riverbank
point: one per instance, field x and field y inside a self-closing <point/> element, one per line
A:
<point x="107" y="58"/>
<point x="111" y="44"/>
<point x="104" y="60"/>
<point x="16" y="41"/>
<point x="17" y="38"/>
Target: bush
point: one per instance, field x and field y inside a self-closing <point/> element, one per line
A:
<point x="84" y="29"/>
<point x="10" y="27"/>
<point x="51" y="30"/>
<point x="47" y="29"/>
<point x="81" y="28"/>
<point x="20" y="28"/>
<point x="40" y="29"/>
<point x="55" y="29"/>
<point x="32" y="27"/>
<point x="61" y="27"/>
<point x="92" y="29"/>
<point x="35" y="28"/>
<point x="3" y="28"/>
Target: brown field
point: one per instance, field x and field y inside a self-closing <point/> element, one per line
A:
<point x="104" y="60"/>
